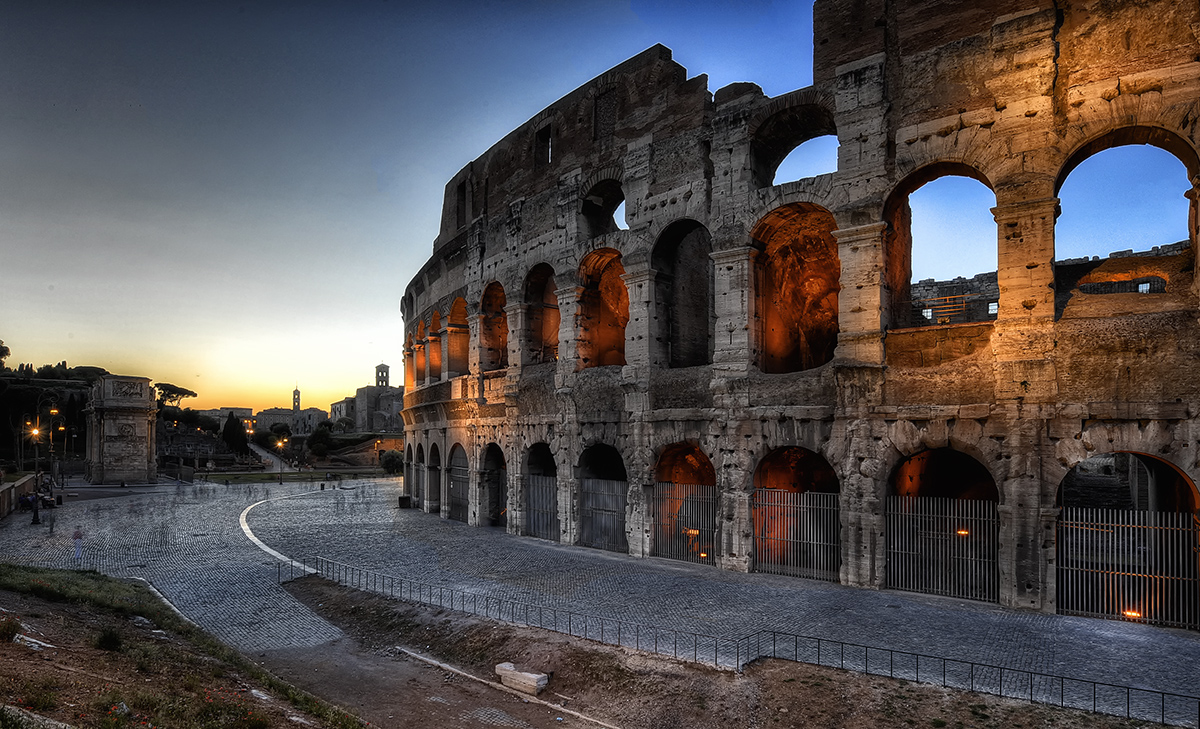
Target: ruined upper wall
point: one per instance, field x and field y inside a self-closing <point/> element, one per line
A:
<point x="588" y="129"/>
<point x="947" y="56"/>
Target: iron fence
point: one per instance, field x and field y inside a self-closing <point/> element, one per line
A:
<point x="943" y="547"/>
<point x="541" y="507"/>
<point x="684" y="522"/>
<point x="734" y="653"/>
<point x="797" y="534"/>
<point x="1142" y="566"/>
<point x="602" y="514"/>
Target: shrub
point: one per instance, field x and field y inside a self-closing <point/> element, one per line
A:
<point x="10" y="626"/>
<point x="109" y="640"/>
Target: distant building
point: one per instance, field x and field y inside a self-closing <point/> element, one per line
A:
<point x="299" y="421"/>
<point x="375" y="408"/>
<point x="221" y="414"/>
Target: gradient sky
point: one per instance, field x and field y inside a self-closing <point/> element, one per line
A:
<point x="231" y="197"/>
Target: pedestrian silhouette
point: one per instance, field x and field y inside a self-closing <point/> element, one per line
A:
<point x="78" y="539"/>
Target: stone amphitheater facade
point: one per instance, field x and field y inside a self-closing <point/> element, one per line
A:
<point x="740" y="337"/>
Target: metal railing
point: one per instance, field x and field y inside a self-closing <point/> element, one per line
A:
<point x="1163" y="707"/>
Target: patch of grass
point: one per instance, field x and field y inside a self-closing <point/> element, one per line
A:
<point x="40" y="696"/>
<point x="109" y="639"/>
<point x="131" y="598"/>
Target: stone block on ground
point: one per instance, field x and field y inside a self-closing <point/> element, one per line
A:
<point x="524" y="681"/>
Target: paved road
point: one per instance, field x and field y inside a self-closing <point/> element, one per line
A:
<point x="188" y="542"/>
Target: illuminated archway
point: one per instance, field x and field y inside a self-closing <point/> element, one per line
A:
<point x="541" y="317"/>
<point x="603" y="310"/>
<point x="942" y="534"/>
<point x="684" y="505"/>
<point x="458" y="338"/>
<point x="797" y="284"/>
<point x="1129" y="541"/>
<point x="795" y="512"/>
<point x="493" y="329"/>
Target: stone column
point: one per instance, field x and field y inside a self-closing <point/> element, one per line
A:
<point x="733" y="300"/>
<point x="421" y="370"/>
<point x="862" y="302"/>
<point x="476" y="498"/>
<point x="515" y="524"/>
<point x="1193" y="196"/>
<point x="568" y="508"/>
<point x="568" y="342"/>
<point x="519" y="353"/>
<point x="638" y="332"/>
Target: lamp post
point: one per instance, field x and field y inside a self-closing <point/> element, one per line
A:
<point x="279" y="444"/>
<point x="37" y="475"/>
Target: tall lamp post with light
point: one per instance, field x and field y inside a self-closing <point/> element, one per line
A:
<point x="35" y="434"/>
<point x="280" y="444"/>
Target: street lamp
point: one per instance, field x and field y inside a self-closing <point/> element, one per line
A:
<point x="279" y="444"/>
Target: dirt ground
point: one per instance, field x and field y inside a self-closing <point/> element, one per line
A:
<point x="151" y="674"/>
<point x="368" y="674"/>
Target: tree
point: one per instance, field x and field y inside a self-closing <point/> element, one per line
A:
<point x="392" y="461"/>
<point x="320" y="440"/>
<point x="4" y="352"/>
<point x="169" y="394"/>
<point x="234" y="436"/>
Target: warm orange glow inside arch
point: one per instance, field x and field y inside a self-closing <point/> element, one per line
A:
<point x="793" y="469"/>
<point x="944" y="473"/>
<point x="798" y="275"/>
<point x="493" y="329"/>
<point x="603" y="310"/>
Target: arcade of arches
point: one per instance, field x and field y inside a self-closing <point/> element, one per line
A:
<point x="748" y="373"/>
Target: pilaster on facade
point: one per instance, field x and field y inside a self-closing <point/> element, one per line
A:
<point x="861" y="300"/>
<point x="733" y="294"/>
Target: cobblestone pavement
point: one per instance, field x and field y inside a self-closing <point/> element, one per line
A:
<point x="187" y="541"/>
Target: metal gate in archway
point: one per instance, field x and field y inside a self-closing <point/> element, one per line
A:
<point x="541" y="507"/>
<point x="943" y="546"/>
<point x="602" y="514"/>
<point x="685" y="522"/>
<point x="797" y="533"/>
<point x="460" y="482"/>
<point x="495" y="483"/>
<point x="1132" y="565"/>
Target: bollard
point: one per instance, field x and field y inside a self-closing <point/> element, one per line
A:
<point x="322" y="487"/>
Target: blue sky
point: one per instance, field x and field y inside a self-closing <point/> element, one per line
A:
<point x="232" y="197"/>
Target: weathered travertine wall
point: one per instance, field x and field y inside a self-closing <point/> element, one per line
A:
<point x="739" y="317"/>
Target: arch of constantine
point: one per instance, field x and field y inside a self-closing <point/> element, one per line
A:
<point x="631" y="336"/>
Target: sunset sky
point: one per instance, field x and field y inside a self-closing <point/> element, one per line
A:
<point x="231" y="197"/>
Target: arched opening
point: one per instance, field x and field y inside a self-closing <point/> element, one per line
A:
<point x="421" y="370"/>
<point x="942" y="526"/>
<point x="433" y="348"/>
<point x="682" y="331"/>
<point x="940" y="254"/>
<point x="410" y="480"/>
<point x="495" y="485"/>
<point x="409" y="364"/>
<point x="775" y="139"/>
<point x="603" y="310"/>
<point x="541" y="493"/>
<point x="599" y="208"/>
<point x="603" y="495"/>
<point x="493" y="329"/>
<point x="542" y="317"/>
<point x="433" y="479"/>
<point x="797" y="530"/>
<point x="458" y="339"/>
<point x="1127" y="225"/>
<point x="797" y="284"/>
<point x="1129" y="541"/>
<point x="817" y="156"/>
<point x="459" y="474"/>
<point x="684" y="505"/>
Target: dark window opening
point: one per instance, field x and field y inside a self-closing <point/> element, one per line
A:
<point x="460" y="204"/>
<point x="543" y="147"/>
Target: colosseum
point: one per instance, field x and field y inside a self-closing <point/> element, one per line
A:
<point x="630" y="336"/>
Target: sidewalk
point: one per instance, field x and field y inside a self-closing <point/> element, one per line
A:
<point x="188" y="542"/>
